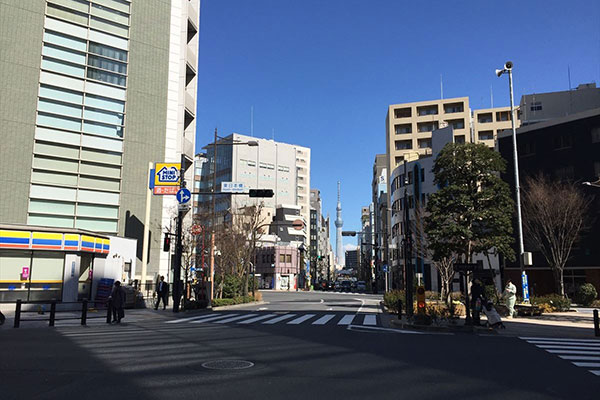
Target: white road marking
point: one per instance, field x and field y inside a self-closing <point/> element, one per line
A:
<point x="180" y="320"/>
<point x="544" y="346"/>
<point x="322" y="301"/>
<point x="224" y="321"/>
<point x="582" y="358"/>
<point x="560" y="339"/>
<point x="370" y="320"/>
<point x="324" y="319"/>
<point x="263" y="308"/>
<point x="201" y="321"/>
<point x="362" y="304"/>
<point x="584" y="352"/>
<point x="347" y="319"/>
<point x="595" y="372"/>
<point x="279" y="319"/>
<point x="330" y="309"/>
<point x="565" y="343"/>
<point x="256" y="319"/>
<point x="301" y="319"/>
<point x="377" y="328"/>
<point x="587" y="364"/>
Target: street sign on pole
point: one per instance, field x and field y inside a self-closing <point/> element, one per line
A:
<point x="232" y="187"/>
<point x="183" y="195"/>
<point x="465" y="267"/>
<point x="167" y="174"/>
<point x="298" y="224"/>
<point x="165" y="190"/>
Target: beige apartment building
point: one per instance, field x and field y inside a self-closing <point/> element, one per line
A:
<point x="489" y="122"/>
<point x="409" y="126"/>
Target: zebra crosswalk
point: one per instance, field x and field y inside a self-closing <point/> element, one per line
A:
<point x="583" y="353"/>
<point x="259" y="318"/>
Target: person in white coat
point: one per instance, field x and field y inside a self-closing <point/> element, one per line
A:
<point x="510" y="296"/>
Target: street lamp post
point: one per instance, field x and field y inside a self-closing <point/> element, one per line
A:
<point x="508" y="66"/>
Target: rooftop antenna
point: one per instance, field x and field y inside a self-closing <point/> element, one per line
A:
<point x="441" y="87"/>
<point x="273" y="134"/>
<point x="570" y="95"/>
<point x="252" y="121"/>
<point x="491" y="97"/>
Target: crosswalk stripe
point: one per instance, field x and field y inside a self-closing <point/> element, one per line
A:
<point x="210" y="319"/>
<point x="592" y="345"/>
<point x="544" y="346"/>
<point x="227" y="320"/>
<point x="279" y="319"/>
<point x="587" y="364"/>
<point x="324" y="319"/>
<point x="584" y="352"/>
<point x="582" y="358"/>
<point x="180" y="320"/>
<point x="256" y="319"/>
<point x="301" y="319"/>
<point x="346" y="320"/>
<point x="560" y="339"/>
<point x="370" y="320"/>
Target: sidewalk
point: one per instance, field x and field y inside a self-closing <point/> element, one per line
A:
<point x="565" y="325"/>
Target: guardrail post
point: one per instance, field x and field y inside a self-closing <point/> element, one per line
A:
<point x="18" y="314"/>
<point x="596" y="323"/>
<point x="108" y="309"/>
<point x="52" y="312"/>
<point x="399" y="309"/>
<point x="84" y="308"/>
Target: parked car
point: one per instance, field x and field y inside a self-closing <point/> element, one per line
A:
<point x="337" y="286"/>
<point x="346" y="286"/>
<point x="361" y="286"/>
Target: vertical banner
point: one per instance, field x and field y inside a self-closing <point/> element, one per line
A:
<point x="525" y="287"/>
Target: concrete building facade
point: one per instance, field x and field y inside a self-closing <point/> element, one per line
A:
<point x="92" y="92"/>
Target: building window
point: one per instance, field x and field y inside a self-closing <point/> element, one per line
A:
<point x="484" y="118"/>
<point x="288" y="258"/>
<point x="403" y="144"/>
<point x="459" y="139"/>
<point x="596" y="135"/>
<point x="503" y="116"/>
<point x="565" y="173"/>
<point x="402" y="113"/>
<point x="486" y="135"/>
<point x="562" y="142"/>
<point x="424" y="143"/>
<point x="526" y="148"/>
<point x="399" y="159"/>
<point x="457" y="123"/>
<point x="402" y="129"/>
<point x="536" y="106"/>
<point x="422" y="174"/>
<point x="453" y="108"/>
<point x="427" y="126"/>
<point x="282" y="258"/>
<point x="427" y="110"/>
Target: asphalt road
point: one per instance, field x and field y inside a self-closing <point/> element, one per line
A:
<point x="342" y="351"/>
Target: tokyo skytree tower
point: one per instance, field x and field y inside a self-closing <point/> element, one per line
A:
<point x="339" y="247"/>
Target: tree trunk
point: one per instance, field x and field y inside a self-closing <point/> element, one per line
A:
<point x="558" y="280"/>
<point x="246" y="276"/>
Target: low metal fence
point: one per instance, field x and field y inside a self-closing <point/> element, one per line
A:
<point x="84" y="317"/>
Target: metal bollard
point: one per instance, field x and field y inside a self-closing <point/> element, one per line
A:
<point x="84" y="308"/>
<point x="18" y="314"/>
<point x="596" y="323"/>
<point x="399" y="309"/>
<point x="52" y="313"/>
<point x="108" y="309"/>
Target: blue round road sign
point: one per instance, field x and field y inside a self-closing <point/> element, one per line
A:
<point x="183" y="195"/>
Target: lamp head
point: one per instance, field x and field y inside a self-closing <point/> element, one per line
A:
<point x="252" y="143"/>
<point x="499" y="72"/>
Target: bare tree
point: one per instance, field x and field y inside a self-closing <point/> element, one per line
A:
<point x="553" y="218"/>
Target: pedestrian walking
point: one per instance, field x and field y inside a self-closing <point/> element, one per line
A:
<point x="162" y="292"/>
<point x="510" y="296"/>
<point x="117" y="297"/>
<point x="477" y="300"/>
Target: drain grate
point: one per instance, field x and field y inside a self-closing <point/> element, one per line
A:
<point x="227" y="364"/>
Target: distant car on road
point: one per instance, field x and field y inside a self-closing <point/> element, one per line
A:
<point x="346" y="286"/>
<point x="361" y="286"/>
<point x="337" y="286"/>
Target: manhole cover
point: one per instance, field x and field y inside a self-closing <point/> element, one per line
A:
<point x="228" y="364"/>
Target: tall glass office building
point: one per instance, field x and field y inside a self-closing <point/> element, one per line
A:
<point x="91" y="92"/>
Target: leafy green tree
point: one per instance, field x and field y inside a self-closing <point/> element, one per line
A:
<point x="471" y="212"/>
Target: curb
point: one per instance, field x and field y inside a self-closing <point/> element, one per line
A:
<point x="434" y="328"/>
<point x="234" y="306"/>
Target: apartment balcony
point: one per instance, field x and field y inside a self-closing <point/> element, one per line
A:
<point x="191" y="58"/>
<point x="190" y="104"/>
<point x="192" y="13"/>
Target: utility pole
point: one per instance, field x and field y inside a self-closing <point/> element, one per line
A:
<point x="408" y="271"/>
<point x="212" y="234"/>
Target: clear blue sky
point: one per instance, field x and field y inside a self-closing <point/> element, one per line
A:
<point x="321" y="73"/>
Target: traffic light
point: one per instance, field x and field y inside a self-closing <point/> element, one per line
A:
<point x="421" y="300"/>
<point x="167" y="243"/>
<point x="261" y="193"/>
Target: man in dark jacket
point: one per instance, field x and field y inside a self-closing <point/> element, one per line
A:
<point x="477" y="300"/>
<point x="117" y="298"/>
<point x="162" y="291"/>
